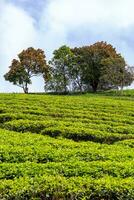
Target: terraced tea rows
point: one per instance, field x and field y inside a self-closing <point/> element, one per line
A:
<point x="66" y="147"/>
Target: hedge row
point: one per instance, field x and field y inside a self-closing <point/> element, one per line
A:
<point x="66" y="129"/>
<point x="17" y="147"/>
<point x="58" y="187"/>
<point x="95" y="169"/>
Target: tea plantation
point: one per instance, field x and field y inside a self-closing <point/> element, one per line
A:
<point x="67" y="147"/>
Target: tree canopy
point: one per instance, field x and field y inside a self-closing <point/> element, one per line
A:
<point x="31" y="62"/>
<point x="97" y="67"/>
<point x="115" y="73"/>
<point x="60" y="70"/>
<point x="91" y="58"/>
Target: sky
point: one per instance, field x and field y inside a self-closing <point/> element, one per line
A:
<point x="48" y="24"/>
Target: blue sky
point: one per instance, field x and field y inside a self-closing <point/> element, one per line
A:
<point x="48" y="24"/>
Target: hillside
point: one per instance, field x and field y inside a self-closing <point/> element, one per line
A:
<point x="67" y="147"/>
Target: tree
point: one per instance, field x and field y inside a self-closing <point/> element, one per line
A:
<point x="31" y="63"/>
<point x="115" y="73"/>
<point x="90" y="59"/>
<point x="60" y="67"/>
<point x="76" y="71"/>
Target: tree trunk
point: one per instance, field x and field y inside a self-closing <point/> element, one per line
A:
<point x="25" y="89"/>
<point x="65" y="84"/>
<point x="80" y="86"/>
<point x="122" y="84"/>
<point x="94" y="87"/>
<point x="64" y="80"/>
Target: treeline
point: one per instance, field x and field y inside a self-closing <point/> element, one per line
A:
<point x="94" y="67"/>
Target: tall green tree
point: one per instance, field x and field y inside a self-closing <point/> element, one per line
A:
<point x="90" y="59"/>
<point x="115" y="73"/>
<point x="60" y="70"/>
<point x="76" y="71"/>
<point x="31" y="62"/>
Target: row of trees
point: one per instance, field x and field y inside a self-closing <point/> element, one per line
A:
<point x="96" y="67"/>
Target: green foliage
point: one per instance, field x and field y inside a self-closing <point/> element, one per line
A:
<point x="67" y="147"/>
<point x="60" y="70"/>
<point x="91" y="60"/>
<point x="115" y="73"/>
<point x="97" y="66"/>
<point x="58" y="187"/>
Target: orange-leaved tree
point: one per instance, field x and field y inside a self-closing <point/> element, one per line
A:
<point x="31" y="62"/>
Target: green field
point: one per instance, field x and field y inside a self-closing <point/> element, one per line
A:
<point x="67" y="147"/>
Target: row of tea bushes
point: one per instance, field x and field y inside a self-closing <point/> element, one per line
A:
<point x="95" y="169"/>
<point x="95" y="118"/>
<point x="76" y="131"/>
<point x="37" y="166"/>
<point x="18" y="147"/>
<point x="58" y="187"/>
<point x="86" y="134"/>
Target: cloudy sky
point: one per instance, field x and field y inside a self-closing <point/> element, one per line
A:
<point x="48" y="24"/>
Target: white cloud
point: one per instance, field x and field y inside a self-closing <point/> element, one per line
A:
<point x="17" y="32"/>
<point x="64" y="13"/>
<point x="17" y="29"/>
<point x="101" y="18"/>
<point x="71" y="22"/>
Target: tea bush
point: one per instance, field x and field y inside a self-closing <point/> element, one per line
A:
<point x="66" y="147"/>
